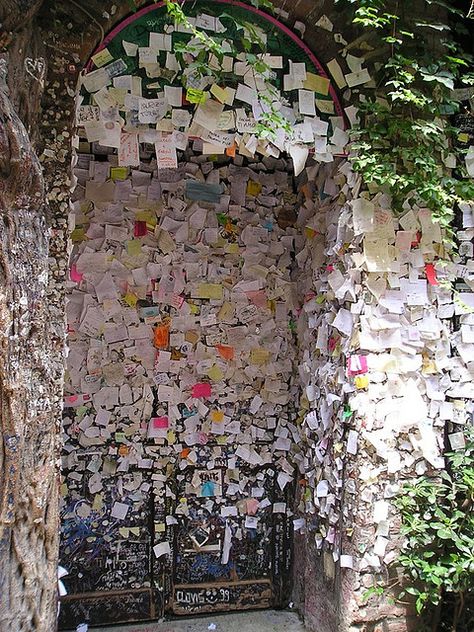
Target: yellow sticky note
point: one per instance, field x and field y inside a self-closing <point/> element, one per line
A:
<point x="259" y="356"/>
<point x="232" y="249"/>
<point x="171" y="437"/>
<point x="318" y="84"/>
<point x="215" y="373"/>
<point x="429" y="366"/>
<point x="253" y="188"/>
<point x="196" y="96"/>
<point x="191" y="336"/>
<point x="210" y="291"/>
<point x="160" y="527"/>
<point x="134" y="247"/>
<point x="325" y="105"/>
<point x="463" y="137"/>
<point x="102" y="57"/>
<point x="119" y="95"/>
<point x="135" y="531"/>
<point x="130" y="299"/>
<point x="217" y="416"/>
<point x="98" y="502"/>
<point x="124" y="532"/>
<point x="361" y="381"/>
<point x="119" y="173"/>
<point x="219" y="93"/>
<point x="147" y="216"/>
<point x="226" y="311"/>
<point x="221" y="439"/>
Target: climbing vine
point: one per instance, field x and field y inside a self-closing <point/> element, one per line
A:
<point x="438" y="523"/>
<point x="405" y="142"/>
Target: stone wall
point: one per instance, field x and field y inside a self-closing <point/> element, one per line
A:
<point x="30" y="387"/>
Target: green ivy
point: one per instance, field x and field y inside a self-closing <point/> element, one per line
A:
<point x="437" y="522"/>
<point x="404" y="134"/>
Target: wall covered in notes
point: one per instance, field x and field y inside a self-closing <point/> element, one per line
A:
<point x="260" y="349"/>
<point x="180" y="398"/>
<point x="181" y="386"/>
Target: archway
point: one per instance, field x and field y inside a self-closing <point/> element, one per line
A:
<point x="182" y="296"/>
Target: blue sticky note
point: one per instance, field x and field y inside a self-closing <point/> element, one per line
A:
<point x="203" y="191"/>
<point x="207" y="489"/>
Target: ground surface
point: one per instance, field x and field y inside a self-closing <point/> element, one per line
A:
<point x="261" y="621"/>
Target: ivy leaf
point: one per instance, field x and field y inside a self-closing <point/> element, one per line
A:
<point x="443" y="76"/>
<point x="436" y="27"/>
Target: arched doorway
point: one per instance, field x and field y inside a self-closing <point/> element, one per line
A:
<point x="179" y="479"/>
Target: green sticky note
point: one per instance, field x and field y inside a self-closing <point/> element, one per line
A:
<point x="196" y="96"/>
<point x="78" y="235"/>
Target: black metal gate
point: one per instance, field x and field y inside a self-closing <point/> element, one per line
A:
<point x="226" y="553"/>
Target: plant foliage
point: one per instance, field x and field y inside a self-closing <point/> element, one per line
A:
<point x="405" y="143"/>
<point x="437" y="522"/>
<point x="252" y="45"/>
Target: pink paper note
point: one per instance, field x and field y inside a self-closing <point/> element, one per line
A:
<point x="75" y="275"/>
<point x="201" y="389"/>
<point x="160" y="422"/>
<point x="357" y="364"/>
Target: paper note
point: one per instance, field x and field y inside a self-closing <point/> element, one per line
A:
<point x="152" y="110"/>
<point x="166" y="156"/>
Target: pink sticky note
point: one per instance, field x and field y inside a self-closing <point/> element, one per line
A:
<point x="140" y="229"/>
<point x="160" y="422"/>
<point x="357" y="364"/>
<point x="75" y="275"/>
<point x="201" y="389"/>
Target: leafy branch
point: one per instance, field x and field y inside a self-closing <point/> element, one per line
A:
<point x="403" y="142"/>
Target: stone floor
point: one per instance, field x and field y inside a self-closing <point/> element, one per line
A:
<point x="258" y="621"/>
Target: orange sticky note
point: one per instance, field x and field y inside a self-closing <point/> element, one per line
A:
<point x="162" y="336"/>
<point x="230" y="151"/>
<point x="217" y="416"/>
<point x="225" y="352"/>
